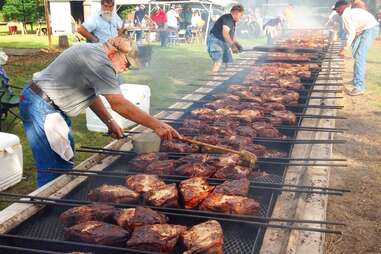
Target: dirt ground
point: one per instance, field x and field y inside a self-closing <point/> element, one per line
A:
<point x="360" y="209"/>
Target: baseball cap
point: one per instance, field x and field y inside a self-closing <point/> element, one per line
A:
<point x="339" y="3"/>
<point x="127" y="46"/>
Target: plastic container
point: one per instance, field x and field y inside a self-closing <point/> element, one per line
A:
<point x="147" y="142"/>
<point x="11" y="160"/>
<point x="138" y="94"/>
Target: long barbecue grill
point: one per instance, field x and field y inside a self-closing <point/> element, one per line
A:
<point x="31" y="225"/>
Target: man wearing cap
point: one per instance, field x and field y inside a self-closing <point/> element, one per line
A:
<point x="362" y="29"/>
<point x="221" y="38"/>
<point x="138" y="21"/>
<point x="102" y="26"/>
<point x="73" y="82"/>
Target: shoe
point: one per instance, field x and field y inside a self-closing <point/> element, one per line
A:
<point x="356" y="92"/>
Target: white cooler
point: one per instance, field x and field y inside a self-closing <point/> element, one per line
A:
<point x="11" y="160"/>
<point x="138" y="94"/>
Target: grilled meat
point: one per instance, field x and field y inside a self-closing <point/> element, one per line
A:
<point x="170" y="146"/>
<point x="194" y="190"/>
<point x="164" y="167"/>
<point x="166" y="196"/>
<point x="159" y="237"/>
<point x="131" y="218"/>
<point x="209" y="139"/>
<point x="140" y="162"/>
<point x="204" y="238"/>
<point x="233" y="172"/>
<point x="258" y="150"/>
<point x="201" y="111"/>
<point x="195" y="169"/>
<point x="195" y="124"/>
<point x="113" y="194"/>
<point x="218" y="130"/>
<point x="246" y="131"/>
<point x="230" y="204"/>
<point x="266" y="130"/>
<point x="221" y="103"/>
<point x="97" y="232"/>
<point x="142" y="183"/>
<point x="237" y="142"/>
<point x="194" y="158"/>
<point x="96" y="212"/>
<point x="234" y="187"/>
<point x="286" y="116"/>
<point x="224" y="160"/>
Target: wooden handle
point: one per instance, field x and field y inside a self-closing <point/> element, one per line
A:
<point x="224" y="149"/>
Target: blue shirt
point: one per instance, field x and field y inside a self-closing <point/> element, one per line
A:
<point x="101" y="28"/>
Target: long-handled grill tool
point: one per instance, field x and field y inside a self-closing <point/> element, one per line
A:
<point x="244" y="155"/>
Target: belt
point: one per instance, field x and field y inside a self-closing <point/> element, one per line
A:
<point x="37" y="90"/>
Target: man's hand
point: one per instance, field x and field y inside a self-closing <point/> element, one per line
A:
<point x="165" y="131"/>
<point x="114" y="129"/>
<point x="239" y="46"/>
<point x="235" y="49"/>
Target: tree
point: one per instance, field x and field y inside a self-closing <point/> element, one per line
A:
<point x="22" y="10"/>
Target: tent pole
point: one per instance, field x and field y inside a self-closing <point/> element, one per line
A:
<point x="208" y="24"/>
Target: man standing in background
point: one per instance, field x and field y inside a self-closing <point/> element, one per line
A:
<point x="221" y="38"/>
<point x="160" y="18"/>
<point x="102" y="26"/>
<point x="172" y="22"/>
<point x="138" y="22"/>
<point x="362" y="29"/>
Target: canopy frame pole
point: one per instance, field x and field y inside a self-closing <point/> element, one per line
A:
<point x="208" y="23"/>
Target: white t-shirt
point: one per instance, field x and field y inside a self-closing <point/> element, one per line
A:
<point x="355" y="21"/>
<point x="172" y="16"/>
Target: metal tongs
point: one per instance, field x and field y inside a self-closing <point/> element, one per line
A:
<point x="244" y="154"/>
<point x="282" y="49"/>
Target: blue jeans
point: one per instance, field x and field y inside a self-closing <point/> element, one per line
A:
<point x="33" y="111"/>
<point x="360" y="48"/>
<point x="219" y="50"/>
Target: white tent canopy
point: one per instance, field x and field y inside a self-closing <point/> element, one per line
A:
<point x="222" y="3"/>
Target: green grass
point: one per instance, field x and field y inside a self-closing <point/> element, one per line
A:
<point x="29" y="40"/>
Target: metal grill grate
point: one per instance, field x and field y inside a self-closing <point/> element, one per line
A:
<point x="239" y="238"/>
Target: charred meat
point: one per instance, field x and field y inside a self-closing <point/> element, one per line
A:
<point x="131" y="218"/>
<point x="140" y="162"/>
<point x="194" y="190"/>
<point x="195" y="169"/>
<point x="204" y="238"/>
<point x="113" y="194"/>
<point x="166" y="196"/>
<point x="159" y="237"/>
<point x="142" y="183"/>
<point x="97" y="232"/>
<point x="230" y="204"/>
<point x="96" y="212"/>
<point x="163" y="167"/>
<point x="170" y="146"/>
<point x="233" y="172"/>
<point x="234" y="187"/>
